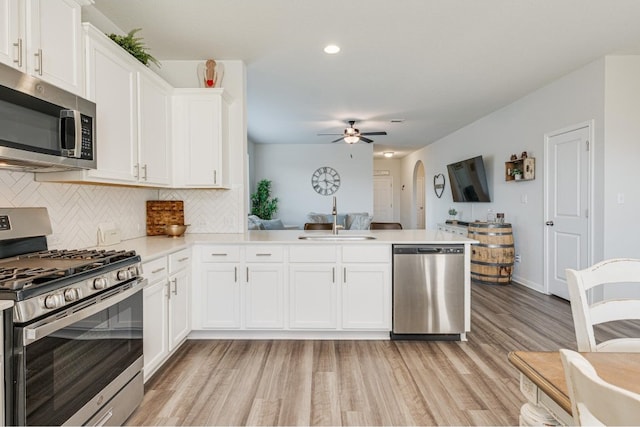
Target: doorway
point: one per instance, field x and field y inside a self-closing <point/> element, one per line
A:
<point x="568" y="194"/>
<point x="383" y="198"/>
<point x="418" y="195"/>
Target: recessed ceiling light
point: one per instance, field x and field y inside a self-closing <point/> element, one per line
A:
<point x="331" y="49"/>
<point x="388" y="153"/>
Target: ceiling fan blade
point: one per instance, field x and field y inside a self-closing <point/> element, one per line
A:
<point x="367" y="140"/>
<point x="323" y="134"/>
<point x="373" y="133"/>
<point x="339" y="139"/>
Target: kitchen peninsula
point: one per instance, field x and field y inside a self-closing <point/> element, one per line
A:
<point x="274" y="285"/>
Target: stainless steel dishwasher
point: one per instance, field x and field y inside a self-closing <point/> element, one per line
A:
<point x="428" y="291"/>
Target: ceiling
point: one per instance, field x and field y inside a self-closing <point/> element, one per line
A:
<point x="436" y="64"/>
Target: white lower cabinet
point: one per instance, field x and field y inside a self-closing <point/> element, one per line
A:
<point x="293" y="287"/>
<point x="264" y="287"/>
<point x="241" y="287"/>
<point x="179" y="288"/>
<point x="166" y="308"/>
<point x="218" y="293"/>
<point x="313" y="296"/>
<point x="366" y="287"/>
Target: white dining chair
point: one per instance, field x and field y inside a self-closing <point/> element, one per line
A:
<point x="586" y="315"/>
<point x="595" y="401"/>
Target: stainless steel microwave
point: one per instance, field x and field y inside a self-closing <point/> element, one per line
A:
<point x="42" y="127"/>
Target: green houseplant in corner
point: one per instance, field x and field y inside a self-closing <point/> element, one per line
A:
<point x="262" y="204"/>
<point x="134" y="46"/>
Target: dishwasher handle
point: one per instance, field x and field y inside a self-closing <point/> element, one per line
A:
<point x="429" y="250"/>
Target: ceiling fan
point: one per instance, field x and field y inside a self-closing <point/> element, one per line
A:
<point x="352" y="135"/>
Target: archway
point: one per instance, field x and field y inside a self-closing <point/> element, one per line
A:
<point x="418" y="195"/>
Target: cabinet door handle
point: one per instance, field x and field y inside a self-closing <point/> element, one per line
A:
<point x="235" y="274"/>
<point x="157" y="270"/>
<point x="175" y="286"/>
<point x="333" y="273"/>
<point x="344" y="274"/>
<point x="136" y="174"/>
<point x="214" y="254"/>
<point x="19" y="46"/>
<point x="39" y="56"/>
<point x="144" y="172"/>
<point x="183" y="259"/>
<point x="263" y="254"/>
<point x="215" y="177"/>
<point x="247" y="274"/>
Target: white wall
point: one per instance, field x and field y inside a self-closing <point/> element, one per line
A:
<point x="290" y="167"/>
<point x="520" y="126"/>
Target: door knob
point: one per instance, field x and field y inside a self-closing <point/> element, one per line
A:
<point x="549" y="223"/>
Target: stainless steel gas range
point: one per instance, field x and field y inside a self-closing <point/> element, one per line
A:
<point x="73" y="342"/>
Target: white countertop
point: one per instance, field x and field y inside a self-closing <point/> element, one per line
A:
<point x="155" y="246"/>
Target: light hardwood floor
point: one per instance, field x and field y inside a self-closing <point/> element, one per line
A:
<point x="241" y="382"/>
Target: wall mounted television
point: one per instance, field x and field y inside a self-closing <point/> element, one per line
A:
<point x="468" y="180"/>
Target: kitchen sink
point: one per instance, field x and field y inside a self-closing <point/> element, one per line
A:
<point x="338" y="237"/>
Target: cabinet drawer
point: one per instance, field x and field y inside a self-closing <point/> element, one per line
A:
<point x="366" y="253"/>
<point x="264" y="253"/>
<point x="179" y="260"/>
<point x="313" y="253"/>
<point x="220" y="254"/>
<point x="155" y="270"/>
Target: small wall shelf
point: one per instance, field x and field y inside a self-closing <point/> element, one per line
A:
<point x="526" y="165"/>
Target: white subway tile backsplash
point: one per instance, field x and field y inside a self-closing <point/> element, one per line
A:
<point x="76" y="210"/>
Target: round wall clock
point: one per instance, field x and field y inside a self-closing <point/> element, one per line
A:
<point x="325" y="180"/>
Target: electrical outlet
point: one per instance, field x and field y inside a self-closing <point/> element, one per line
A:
<point x="518" y="258"/>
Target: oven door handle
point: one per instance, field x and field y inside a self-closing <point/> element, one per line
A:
<point x="36" y="331"/>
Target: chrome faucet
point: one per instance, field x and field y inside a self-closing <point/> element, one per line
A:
<point x="334" y="212"/>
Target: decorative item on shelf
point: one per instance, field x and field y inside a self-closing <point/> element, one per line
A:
<point x="210" y="74"/>
<point x="523" y="155"/>
<point x="438" y="184"/>
<point x="514" y="157"/>
<point x="134" y="46"/>
<point x="453" y="212"/>
<point x="500" y="218"/>
<point x="517" y="174"/>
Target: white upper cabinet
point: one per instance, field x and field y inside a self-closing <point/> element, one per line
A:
<point x="200" y="138"/>
<point x="11" y="43"/>
<point x="44" y="38"/>
<point x="154" y="114"/>
<point x="133" y="120"/>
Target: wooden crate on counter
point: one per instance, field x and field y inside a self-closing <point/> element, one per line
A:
<point x="161" y="213"/>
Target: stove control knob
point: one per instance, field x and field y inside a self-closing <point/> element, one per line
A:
<point x="123" y="275"/>
<point x="54" y="301"/>
<point x="134" y="271"/>
<point x="71" y="294"/>
<point x="100" y="283"/>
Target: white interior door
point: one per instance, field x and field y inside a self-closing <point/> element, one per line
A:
<point x="382" y="198"/>
<point x="567" y="193"/>
<point x="420" y="202"/>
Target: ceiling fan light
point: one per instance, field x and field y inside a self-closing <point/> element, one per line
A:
<point x="351" y="139"/>
<point x="388" y="153"/>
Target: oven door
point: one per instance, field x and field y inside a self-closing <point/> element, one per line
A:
<point x="71" y="364"/>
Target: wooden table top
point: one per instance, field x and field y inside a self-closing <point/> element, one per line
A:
<point x="545" y="370"/>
